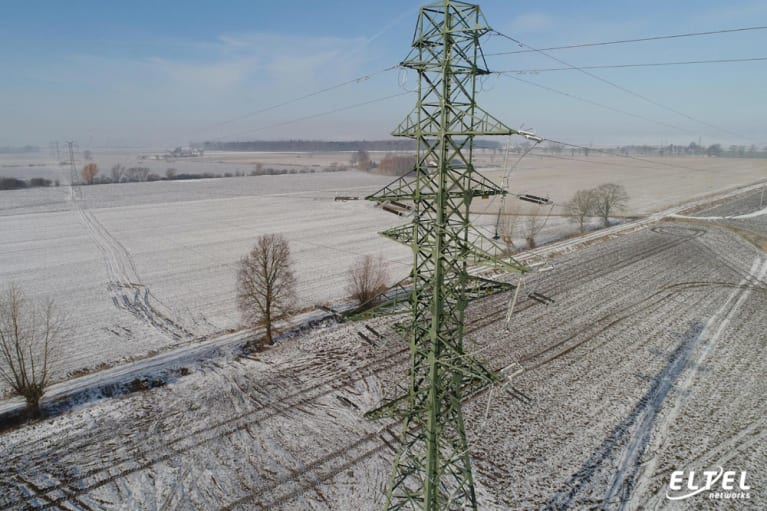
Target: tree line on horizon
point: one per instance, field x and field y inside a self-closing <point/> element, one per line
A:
<point x="691" y="149"/>
<point x="549" y="147"/>
<point x="394" y="144"/>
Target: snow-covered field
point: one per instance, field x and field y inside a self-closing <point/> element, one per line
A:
<point x="650" y="360"/>
<point x="145" y="267"/>
<point x="138" y="267"/>
<point x="141" y="267"/>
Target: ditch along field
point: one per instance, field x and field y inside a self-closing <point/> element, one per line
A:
<point x="651" y="359"/>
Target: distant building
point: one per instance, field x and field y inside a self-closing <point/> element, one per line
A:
<point x="185" y="152"/>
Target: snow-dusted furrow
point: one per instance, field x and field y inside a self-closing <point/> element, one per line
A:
<point x="701" y="349"/>
<point x="285" y="428"/>
<point x="693" y="281"/>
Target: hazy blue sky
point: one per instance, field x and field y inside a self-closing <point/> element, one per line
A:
<point x="164" y="73"/>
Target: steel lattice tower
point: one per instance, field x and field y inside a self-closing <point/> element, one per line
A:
<point x="432" y="470"/>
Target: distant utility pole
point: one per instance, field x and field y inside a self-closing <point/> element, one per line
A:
<point x="432" y="470"/>
<point x="55" y="150"/>
<point x="72" y="166"/>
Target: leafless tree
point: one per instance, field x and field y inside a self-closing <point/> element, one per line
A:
<point x="360" y="159"/>
<point x="609" y="199"/>
<point x="28" y="334"/>
<point x="89" y="173"/>
<point x="266" y="284"/>
<point x="581" y="206"/>
<point x="170" y="174"/>
<point x="117" y="173"/>
<point x="396" y="165"/>
<point x="368" y="278"/>
<point x="533" y="225"/>
<point x="135" y="174"/>
<point x="507" y="227"/>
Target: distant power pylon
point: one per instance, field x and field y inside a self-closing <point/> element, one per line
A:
<point x="432" y="470"/>
<point x="55" y="150"/>
<point x="73" y="180"/>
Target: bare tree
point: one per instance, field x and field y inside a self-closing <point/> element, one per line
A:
<point x="581" y="206"/>
<point x="396" y="165"/>
<point x="117" y="173"/>
<point x="266" y="284"/>
<point x="361" y="159"/>
<point x="609" y="199"/>
<point x="89" y="173"/>
<point x="533" y="225"/>
<point x="507" y="226"/>
<point x="170" y="174"/>
<point x="28" y="334"/>
<point x="368" y="278"/>
<point x="135" y="174"/>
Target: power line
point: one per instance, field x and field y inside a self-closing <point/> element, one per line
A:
<point x="313" y="116"/>
<point x="359" y="79"/>
<point x="595" y="103"/>
<point x="617" y="66"/>
<point x="618" y="155"/>
<point x="619" y="87"/>
<point x="625" y="41"/>
<point x="593" y="161"/>
<point x="566" y="144"/>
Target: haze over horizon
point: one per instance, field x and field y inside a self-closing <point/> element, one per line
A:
<point x="143" y="74"/>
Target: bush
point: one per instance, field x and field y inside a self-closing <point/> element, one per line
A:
<point x="367" y="279"/>
<point x="39" y="182"/>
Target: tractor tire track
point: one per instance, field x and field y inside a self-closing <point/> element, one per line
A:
<point x="706" y="342"/>
<point x="124" y="284"/>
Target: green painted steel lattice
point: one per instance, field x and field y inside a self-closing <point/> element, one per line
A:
<point x="432" y="470"/>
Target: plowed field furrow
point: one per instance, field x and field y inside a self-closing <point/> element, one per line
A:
<point x="625" y="301"/>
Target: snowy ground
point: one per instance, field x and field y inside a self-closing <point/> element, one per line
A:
<point x="745" y="215"/>
<point x="140" y="267"/>
<point x="650" y="360"/>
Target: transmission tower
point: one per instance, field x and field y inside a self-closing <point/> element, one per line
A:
<point x="72" y="166"/>
<point x="55" y="150"/>
<point x="432" y="470"/>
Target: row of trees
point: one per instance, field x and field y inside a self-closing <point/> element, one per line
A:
<point x="122" y="174"/>
<point x="691" y="149"/>
<point x="12" y="183"/>
<point x="389" y="165"/>
<point x="602" y="201"/>
<point x="516" y="222"/>
<point x="392" y="144"/>
<point x="19" y="150"/>
<point x="119" y="174"/>
<point x="266" y="284"/>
